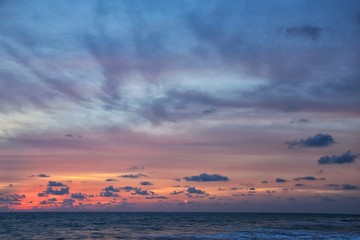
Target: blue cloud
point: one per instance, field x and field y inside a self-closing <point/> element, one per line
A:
<point x="193" y="190"/>
<point x="319" y="140"/>
<point x="344" y="158"/>
<point x="146" y="183"/>
<point x="204" y="177"/>
<point x="349" y="187"/>
<point x="79" y="196"/>
<point x="280" y="180"/>
<point x="133" y="175"/>
<point x="308" y="178"/>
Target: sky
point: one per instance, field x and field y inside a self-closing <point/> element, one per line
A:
<point x="239" y="106"/>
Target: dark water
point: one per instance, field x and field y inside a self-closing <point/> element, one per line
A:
<point x="177" y="226"/>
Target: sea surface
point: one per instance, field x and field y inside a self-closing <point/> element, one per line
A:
<point x="105" y="225"/>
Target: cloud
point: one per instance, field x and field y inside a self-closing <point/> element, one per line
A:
<point x="42" y="175"/>
<point x="111" y="180"/>
<point x="307" y="31"/>
<point x="12" y="199"/>
<point x="139" y="191"/>
<point x="176" y="192"/>
<point x="79" y="196"/>
<point x="349" y="187"/>
<point x="146" y="183"/>
<point x="280" y="180"/>
<point x="128" y="188"/>
<point x="204" y="177"/>
<point x="319" y="140"/>
<point x="133" y="175"/>
<point x="55" y="188"/>
<point x="308" y="178"/>
<point x="67" y="202"/>
<point x="60" y="191"/>
<point x="193" y="190"/>
<point x="55" y="184"/>
<point x="344" y="158"/>
<point x="110" y="191"/>
<point x="265" y="182"/>
<point x="42" y="194"/>
<point x="299" y="185"/>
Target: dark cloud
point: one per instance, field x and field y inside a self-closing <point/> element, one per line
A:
<point x="55" y="184"/>
<point x="156" y="197"/>
<point x="12" y="199"/>
<point x="265" y="182"/>
<point x="111" y="180"/>
<point x="176" y="192"/>
<point x="280" y="180"/>
<point x="67" y="202"/>
<point x="133" y="175"/>
<point x="308" y="178"/>
<point x="42" y="194"/>
<point x="69" y="135"/>
<point x="299" y="185"/>
<point x="110" y="191"/>
<point x="127" y="188"/>
<point x="319" y="140"/>
<point x="146" y="183"/>
<point x="349" y="187"/>
<point x="79" y="196"/>
<point x="344" y="158"/>
<point x="56" y="188"/>
<point x="307" y="31"/>
<point x="193" y="190"/>
<point x="204" y="177"/>
<point x="42" y="175"/>
<point x="57" y="191"/>
<point x="139" y="191"/>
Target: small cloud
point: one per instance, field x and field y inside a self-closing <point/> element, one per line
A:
<point x="299" y="185"/>
<point x="300" y="120"/>
<point x="280" y="180"/>
<point x="349" y="187"/>
<point x="176" y="193"/>
<point x="319" y="140"/>
<point x="139" y="191"/>
<point x="193" y="190"/>
<point x="55" y="184"/>
<point x="42" y="194"/>
<point x="204" y="177"/>
<point x="42" y="175"/>
<point x="79" y="196"/>
<point x="156" y="197"/>
<point x="146" y="183"/>
<point x="345" y="158"/>
<point x="177" y="179"/>
<point x="265" y="182"/>
<point x="56" y="188"/>
<point x="69" y="135"/>
<point x="67" y="202"/>
<point x="111" y="180"/>
<point x="133" y="175"/>
<point x="110" y="191"/>
<point x="308" y="178"/>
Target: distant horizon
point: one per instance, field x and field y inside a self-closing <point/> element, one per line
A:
<point x="183" y="105"/>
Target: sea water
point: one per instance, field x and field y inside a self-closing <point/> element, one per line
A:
<point x="114" y="225"/>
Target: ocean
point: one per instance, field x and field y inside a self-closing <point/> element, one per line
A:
<point x="106" y="225"/>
